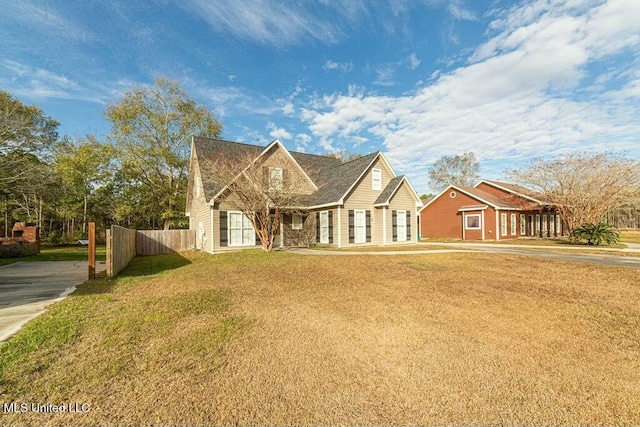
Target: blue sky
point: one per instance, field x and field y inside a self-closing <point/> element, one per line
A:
<point x="508" y="80"/>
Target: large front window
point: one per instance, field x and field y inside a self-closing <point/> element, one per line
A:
<point x="472" y="222"/>
<point x="503" y="220"/>
<point x="241" y="232"/>
<point x="513" y="224"/>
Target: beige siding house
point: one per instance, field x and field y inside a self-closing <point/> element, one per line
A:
<point x="357" y="203"/>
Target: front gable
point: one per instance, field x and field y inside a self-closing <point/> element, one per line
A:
<point x="277" y="156"/>
<point x="364" y="191"/>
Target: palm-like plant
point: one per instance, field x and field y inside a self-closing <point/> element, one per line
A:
<point x="596" y="234"/>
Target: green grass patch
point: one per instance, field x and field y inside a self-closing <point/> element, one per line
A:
<point x="60" y="253"/>
<point x="630" y="236"/>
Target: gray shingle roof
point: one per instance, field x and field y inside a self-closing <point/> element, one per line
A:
<point x="332" y="177"/>
<point x="334" y="182"/>
<point x="208" y="150"/>
<point x="389" y="190"/>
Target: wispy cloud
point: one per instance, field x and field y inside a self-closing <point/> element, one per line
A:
<point x="344" y="67"/>
<point x="40" y="84"/>
<point x="42" y="17"/>
<point x="263" y="21"/>
<point x="414" y="62"/>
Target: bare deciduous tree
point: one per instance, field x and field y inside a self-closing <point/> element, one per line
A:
<point x="583" y="187"/>
<point x="259" y="192"/>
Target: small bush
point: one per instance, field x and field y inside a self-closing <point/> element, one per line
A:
<point x="596" y="234"/>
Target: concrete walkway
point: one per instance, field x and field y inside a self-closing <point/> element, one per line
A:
<point x="28" y="288"/>
<point x="617" y="260"/>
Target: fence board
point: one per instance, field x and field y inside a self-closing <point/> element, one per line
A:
<point x="155" y="242"/>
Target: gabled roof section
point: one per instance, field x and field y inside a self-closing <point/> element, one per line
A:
<point x="479" y="195"/>
<point x="517" y="190"/>
<point x="276" y="143"/>
<point x="335" y="182"/>
<point x="389" y="191"/>
<point x="208" y="150"/>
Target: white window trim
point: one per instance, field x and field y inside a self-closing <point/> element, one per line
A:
<point x="523" y="224"/>
<point x="376" y="184"/>
<point x="514" y="226"/>
<point x="558" y="225"/>
<point x="296" y="225"/>
<point x="537" y="225"/>
<point x="242" y="228"/>
<point x="503" y="225"/>
<point x="362" y="227"/>
<point x="466" y="224"/>
<point x="324" y="215"/>
<point x="402" y="235"/>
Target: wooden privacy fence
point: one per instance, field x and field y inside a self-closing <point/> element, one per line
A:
<point x="155" y="242"/>
<point x="124" y="243"/>
<point x="121" y="248"/>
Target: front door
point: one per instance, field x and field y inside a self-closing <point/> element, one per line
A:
<point x="402" y="226"/>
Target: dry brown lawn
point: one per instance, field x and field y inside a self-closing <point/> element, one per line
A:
<point x="284" y="339"/>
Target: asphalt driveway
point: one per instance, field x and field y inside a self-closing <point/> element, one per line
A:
<point x="27" y="288"/>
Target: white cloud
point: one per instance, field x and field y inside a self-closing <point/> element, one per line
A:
<point x="288" y="109"/>
<point x="520" y="95"/>
<point x="460" y="12"/>
<point x="279" y="133"/>
<point x="45" y="18"/>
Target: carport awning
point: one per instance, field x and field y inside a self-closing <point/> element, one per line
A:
<point x="472" y="208"/>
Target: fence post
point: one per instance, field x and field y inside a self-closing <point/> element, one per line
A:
<point x="92" y="250"/>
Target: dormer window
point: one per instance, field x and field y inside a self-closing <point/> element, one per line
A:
<point x="275" y="178"/>
<point x="377" y="179"/>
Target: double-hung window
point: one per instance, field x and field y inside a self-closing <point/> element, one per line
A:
<point x="360" y="223"/>
<point x="241" y="232"/>
<point x="523" y="225"/>
<point x="275" y="178"/>
<point x="324" y="227"/>
<point x="503" y="220"/>
<point x="296" y="221"/>
<point x="513" y="225"/>
<point x="402" y="226"/>
<point x="376" y="179"/>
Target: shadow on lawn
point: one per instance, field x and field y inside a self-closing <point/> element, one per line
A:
<point x="148" y="265"/>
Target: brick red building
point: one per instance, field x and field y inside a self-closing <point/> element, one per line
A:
<point x="490" y="210"/>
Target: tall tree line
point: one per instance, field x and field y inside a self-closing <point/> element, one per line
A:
<point x="136" y="177"/>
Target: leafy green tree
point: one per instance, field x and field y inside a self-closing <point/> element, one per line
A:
<point x="151" y="130"/>
<point x="454" y="170"/>
<point x="596" y="234"/>
<point x="83" y="166"/>
<point x="24" y="130"/>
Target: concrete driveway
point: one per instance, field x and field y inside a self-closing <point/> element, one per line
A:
<point x="27" y="288"/>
